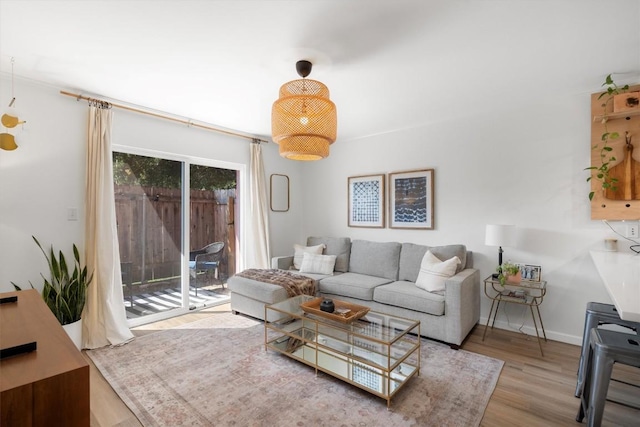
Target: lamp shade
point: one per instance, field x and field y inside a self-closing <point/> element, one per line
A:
<point x="304" y="120"/>
<point x="500" y="235"/>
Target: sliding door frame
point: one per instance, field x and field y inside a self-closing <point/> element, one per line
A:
<point x="240" y="215"/>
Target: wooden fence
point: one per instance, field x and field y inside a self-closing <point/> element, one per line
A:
<point x="149" y="224"/>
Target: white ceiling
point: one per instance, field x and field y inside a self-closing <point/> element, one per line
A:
<point x="388" y="64"/>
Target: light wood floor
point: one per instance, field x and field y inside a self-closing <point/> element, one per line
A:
<point x="532" y="390"/>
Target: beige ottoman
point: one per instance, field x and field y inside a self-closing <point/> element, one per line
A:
<point x="250" y="296"/>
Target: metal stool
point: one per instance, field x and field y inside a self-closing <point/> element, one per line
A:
<point x="605" y="349"/>
<point x="598" y="314"/>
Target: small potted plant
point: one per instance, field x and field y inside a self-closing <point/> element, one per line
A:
<point x="65" y="291"/>
<point x="509" y="273"/>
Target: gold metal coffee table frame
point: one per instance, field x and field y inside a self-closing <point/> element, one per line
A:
<point x="378" y="353"/>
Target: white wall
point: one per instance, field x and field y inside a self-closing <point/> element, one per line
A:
<point x="45" y="176"/>
<point x="286" y="227"/>
<point x="39" y="181"/>
<point x="518" y="159"/>
<point x="546" y="198"/>
<point x="513" y="152"/>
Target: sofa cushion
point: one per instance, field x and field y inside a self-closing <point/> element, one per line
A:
<point x="412" y="254"/>
<point x="406" y="295"/>
<point x="338" y="246"/>
<point x="378" y="259"/>
<point x="300" y="250"/>
<point x="434" y="272"/>
<point x="319" y="264"/>
<point x="352" y="285"/>
<point x="315" y="276"/>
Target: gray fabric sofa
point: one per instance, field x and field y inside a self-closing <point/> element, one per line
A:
<point x="382" y="276"/>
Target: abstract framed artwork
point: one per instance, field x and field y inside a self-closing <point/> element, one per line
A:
<point x="366" y="201"/>
<point x="411" y="199"/>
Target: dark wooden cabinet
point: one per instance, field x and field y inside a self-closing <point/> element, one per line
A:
<point x="46" y="387"/>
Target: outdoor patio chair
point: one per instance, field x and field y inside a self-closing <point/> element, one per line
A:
<point x="205" y="259"/>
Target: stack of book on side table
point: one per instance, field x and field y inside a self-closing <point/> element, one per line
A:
<point x="518" y="295"/>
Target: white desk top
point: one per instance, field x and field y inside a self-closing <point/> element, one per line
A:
<point x="620" y="272"/>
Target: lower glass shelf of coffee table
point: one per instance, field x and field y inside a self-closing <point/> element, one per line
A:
<point x="378" y="353"/>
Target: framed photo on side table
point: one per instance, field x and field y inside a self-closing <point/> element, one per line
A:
<point x="530" y="273"/>
<point x="411" y="199"/>
<point x="366" y="201"/>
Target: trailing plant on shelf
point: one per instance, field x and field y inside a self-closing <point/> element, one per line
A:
<point x="602" y="172"/>
<point x="506" y="270"/>
<point x="64" y="292"/>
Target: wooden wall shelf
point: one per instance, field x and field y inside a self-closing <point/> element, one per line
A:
<point x="626" y="121"/>
<point x="615" y="116"/>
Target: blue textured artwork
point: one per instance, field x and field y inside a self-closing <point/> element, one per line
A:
<point x="365" y="201"/>
<point x="411" y="200"/>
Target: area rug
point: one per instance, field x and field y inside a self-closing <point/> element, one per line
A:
<point x="216" y="372"/>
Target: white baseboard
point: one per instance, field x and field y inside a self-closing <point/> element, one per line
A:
<point x="530" y="330"/>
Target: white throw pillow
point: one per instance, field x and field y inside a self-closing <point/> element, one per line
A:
<point x="318" y="264"/>
<point x="300" y="250"/>
<point x="433" y="272"/>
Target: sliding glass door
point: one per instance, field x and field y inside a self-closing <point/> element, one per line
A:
<point x="163" y="206"/>
<point x="212" y="198"/>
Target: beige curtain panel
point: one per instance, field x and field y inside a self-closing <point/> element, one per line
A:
<point x="104" y="321"/>
<point x="258" y="254"/>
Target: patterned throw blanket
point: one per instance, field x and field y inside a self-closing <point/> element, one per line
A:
<point x="295" y="284"/>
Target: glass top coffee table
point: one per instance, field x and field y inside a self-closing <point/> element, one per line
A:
<point x="377" y="352"/>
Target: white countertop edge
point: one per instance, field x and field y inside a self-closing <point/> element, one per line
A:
<point x="620" y="272"/>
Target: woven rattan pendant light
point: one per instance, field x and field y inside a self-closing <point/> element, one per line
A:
<point x="303" y="119"/>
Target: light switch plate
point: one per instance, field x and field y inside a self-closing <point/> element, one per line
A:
<point x="72" y="214"/>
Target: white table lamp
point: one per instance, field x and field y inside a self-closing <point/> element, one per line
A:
<point x="500" y="235"/>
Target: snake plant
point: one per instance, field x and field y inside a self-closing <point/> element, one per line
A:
<point x="64" y="291"/>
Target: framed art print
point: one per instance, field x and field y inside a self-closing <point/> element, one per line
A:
<point x="366" y="201"/>
<point x="411" y="199"/>
<point x="530" y="273"/>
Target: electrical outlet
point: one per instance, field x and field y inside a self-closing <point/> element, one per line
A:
<point x="632" y="231"/>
